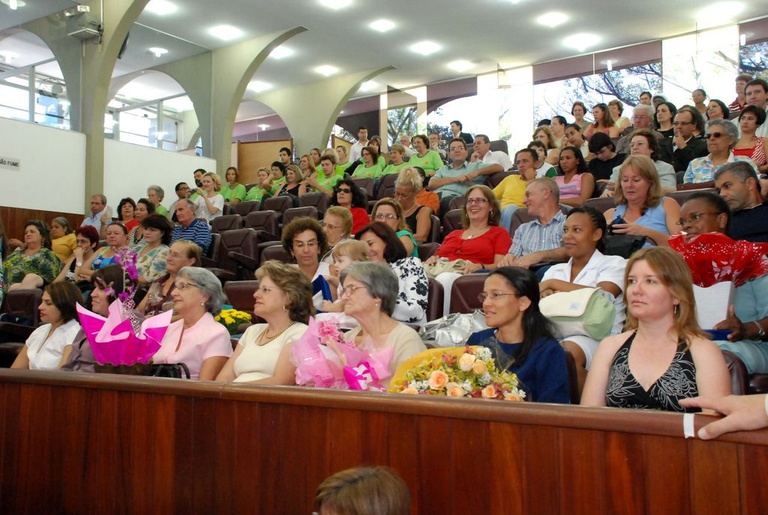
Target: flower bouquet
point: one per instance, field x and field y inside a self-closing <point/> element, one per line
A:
<point x="456" y="372"/>
<point x="325" y="360"/>
<point x="123" y="340"/>
<point x="232" y="319"/>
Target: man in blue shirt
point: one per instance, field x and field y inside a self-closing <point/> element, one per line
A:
<point x="98" y="210"/>
<point x="191" y="228"/>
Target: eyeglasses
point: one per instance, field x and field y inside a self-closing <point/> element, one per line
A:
<point x="695" y="217"/>
<point x="302" y="244"/>
<point x="83" y="242"/>
<point x="344" y="190"/>
<point x="677" y="124"/>
<point x="495" y="295"/>
<point x="263" y="291"/>
<point x="349" y="290"/>
<point x="455" y="149"/>
<point x="477" y="200"/>
<point x="388" y="216"/>
<point x="715" y="135"/>
<point x="329" y="226"/>
<point x="181" y="286"/>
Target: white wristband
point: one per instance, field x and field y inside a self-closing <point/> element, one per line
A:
<point x="688" y="426"/>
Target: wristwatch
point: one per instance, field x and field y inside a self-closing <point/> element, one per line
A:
<point x="760" y="330"/>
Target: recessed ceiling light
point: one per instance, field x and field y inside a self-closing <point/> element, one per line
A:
<point x="14" y="4"/>
<point x="461" y="65"/>
<point x="382" y="25"/>
<point x="581" y="41"/>
<point x="425" y="47"/>
<point x="335" y="4"/>
<point x="158" y="51"/>
<point x="369" y="85"/>
<point x="263" y="126"/>
<point x="718" y="13"/>
<point x="161" y="7"/>
<point x="552" y="19"/>
<point x="327" y="70"/>
<point x="258" y="86"/>
<point x="281" y="52"/>
<point x="8" y="56"/>
<point x="225" y="32"/>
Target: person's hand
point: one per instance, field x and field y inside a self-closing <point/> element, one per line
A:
<point x="200" y="192"/>
<point x="678" y="140"/>
<point x="78" y="253"/>
<point x="733" y="324"/>
<point x="104" y="218"/>
<point x="742" y="413"/>
<point x="327" y="306"/>
<point x="431" y="260"/>
<point x="475" y="157"/>
<point x="526" y="261"/>
<point x="13" y="242"/>
<point x="633" y="229"/>
<point x="508" y="260"/>
<point x="470" y="267"/>
<point x="546" y="292"/>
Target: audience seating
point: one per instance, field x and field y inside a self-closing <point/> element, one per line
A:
<point x="500" y="145"/>
<point x="426" y="250"/>
<point x="435" y="230"/>
<point x="250" y="185"/>
<point x="237" y="255"/>
<point x="521" y="216"/>
<point x="240" y="294"/>
<point x="435" y="299"/>
<point x="275" y="252"/>
<point x="451" y="221"/>
<point x="21" y="303"/>
<point x="298" y="212"/>
<point x="387" y="186"/>
<point x="366" y="185"/>
<point x="265" y="222"/>
<point x="464" y="293"/>
<point x="682" y="195"/>
<point x="573" y="378"/>
<point x="758" y="383"/>
<point x="211" y="256"/>
<point x="277" y="204"/>
<point x="318" y="200"/>
<point x="496" y="178"/>
<point x="738" y="373"/>
<point x="601" y="204"/>
<point x="243" y="208"/>
<point x="456" y="203"/>
<point x="227" y="222"/>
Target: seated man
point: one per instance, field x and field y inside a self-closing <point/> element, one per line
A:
<point x="737" y="183"/>
<point x="511" y="191"/>
<point x="606" y="158"/>
<point x="482" y="152"/>
<point x="198" y="176"/>
<point x="405" y="142"/>
<point x="182" y="192"/>
<point x="100" y="215"/>
<point x="191" y="228"/>
<point x="434" y="144"/>
<point x="642" y="118"/>
<point x="454" y="180"/>
<point x="543" y="169"/>
<point x="685" y="145"/>
<point x="539" y="241"/>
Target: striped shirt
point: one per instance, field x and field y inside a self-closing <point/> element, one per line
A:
<point x="198" y="231"/>
<point x="534" y="237"/>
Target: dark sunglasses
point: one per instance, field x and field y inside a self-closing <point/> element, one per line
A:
<point x="344" y="190"/>
<point x="716" y="135"/>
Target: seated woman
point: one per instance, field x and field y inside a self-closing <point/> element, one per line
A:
<point x="106" y="284"/>
<point x="196" y="340"/>
<point x="261" y="189"/>
<point x="87" y="239"/>
<point x="210" y="203"/>
<point x="390" y="213"/>
<point x="48" y="347"/>
<point x="153" y="251"/>
<point x="584" y="239"/>
<point x="370" y="296"/>
<point x="344" y="254"/>
<point x="721" y="136"/>
<point x="370" y="169"/>
<point x="604" y="123"/>
<point x="481" y="242"/>
<point x="397" y="153"/>
<point x="349" y="196"/>
<point x="117" y="237"/>
<point x="386" y="248"/>
<point x="640" y="209"/>
<point x="233" y="192"/>
<point x="521" y="337"/>
<point x="617" y="110"/>
<point x="573" y="177"/>
<point x="706" y="212"/>
<point x="293" y="183"/>
<point x="337" y="225"/>
<point x="544" y="134"/>
<point x="126" y="211"/>
<point x="664" y="356"/>
<point x="62" y="238"/>
<point x="417" y="216"/>
<point x="159" y="298"/>
<point x="643" y="143"/>
<point x="284" y="301"/>
<point x="425" y="158"/>
<point x="749" y="145"/>
<point x="33" y="265"/>
<point x="144" y="208"/>
<point x="664" y="119"/>
<point x="305" y="240"/>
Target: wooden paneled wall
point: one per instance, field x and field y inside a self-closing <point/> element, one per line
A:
<point x="253" y="155"/>
<point x="75" y="443"/>
<point x="14" y="219"/>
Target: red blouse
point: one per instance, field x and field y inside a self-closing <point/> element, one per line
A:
<point x="479" y="250"/>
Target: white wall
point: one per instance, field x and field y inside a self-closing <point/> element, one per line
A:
<point x="129" y="169"/>
<point x="51" y="167"/>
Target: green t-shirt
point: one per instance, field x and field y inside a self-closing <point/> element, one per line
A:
<point x="276" y="184"/>
<point x="255" y="193"/>
<point x="229" y="194"/>
<point x="367" y="172"/>
<point x="430" y="162"/>
<point x="327" y="182"/>
<point x="394" y="168"/>
<point x="160" y="210"/>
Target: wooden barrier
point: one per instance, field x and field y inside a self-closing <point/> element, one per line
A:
<point x="14" y="219"/>
<point x="108" y="444"/>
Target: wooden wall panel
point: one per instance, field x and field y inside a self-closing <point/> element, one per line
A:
<point x="14" y="218"/>
<point x="253" y="155"/>
<point x="75" y="443"/>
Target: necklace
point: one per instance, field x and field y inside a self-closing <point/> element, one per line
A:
<point x="265" y="338"/>
<point x="470" y="236"/>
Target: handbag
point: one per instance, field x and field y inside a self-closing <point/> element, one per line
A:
<point x="444" y="265"/>
<point x="453" y="330"/>
<point x="172" y="370"/>
<point x="623" y="245"/>
<point x="583" y="312"/>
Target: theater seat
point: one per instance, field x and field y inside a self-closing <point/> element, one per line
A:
<point x="240" y="294"/>
<point x="738" y="373"/>
<point x="277" y="204"/>
<point x="573" y="378"/>
<point x="298" y="212"/>
<point x="464" y="293"/>
<point x="601" y="204"/>
<point x="758" y="383"/>
<point x="318" y="200"/>
<point x="451" y="221"/>
<point x="435" y="299"/>
<point x="275" y="252"/>
<point x="243" y="208"/>
<point x="387" y="186"/>
<point x="426" y="250"/>
<point x="227" y="222"/>
<point x="434" y="230"/>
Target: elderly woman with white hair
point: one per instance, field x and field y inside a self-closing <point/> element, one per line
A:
<point x="721" y="136"/>
<point x="369" y="294"/>
<point x="196" y="340"/>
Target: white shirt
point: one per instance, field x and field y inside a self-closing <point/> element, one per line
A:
<point x="95" y="220"/>
<point x="356" y="149"/>
<point x="201" y="209"/>
<point x="542" y="172"/>
<point x="498" y="157"/>
<point x="46" y="354"/>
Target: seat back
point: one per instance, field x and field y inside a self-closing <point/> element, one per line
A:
<point x="266" y="221"/>
<point x="522" y="216"/>
<point x="275" y="252"/>
<point x="366" y="185"/>
<point x="573" y="378"/>
<point x="738" y="373"/>
<point x="426" y="250"/>
<point x="456" y="203"/>
<point x="211" y="257"/>
<point x="24" y="303"/>
<point x="499" y="145"/>
<point x="434" y="230"/>
<point x="435" y="299"/>
<point x="387" y="186"/>
<point x="451" y="221"/>
<point x="277" y="204"/>
<point x="298" y="212"/>
<point x="318" y="200"/>
<point x="243" y="208"/>
<point x="240" y="294"/>
<point x="496" y="178"/>
<point x="464" y="293"/>
<point x="601" y="204"/>
<point x="682" y="195"/>
<point x="243" y="241"/>
<point x="227" y="222"/>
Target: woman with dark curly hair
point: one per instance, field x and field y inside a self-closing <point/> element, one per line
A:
<point x="348" y="195"/>
<point x="34" y="265"/>
<point x="305" y="240"/>
<point x="126" y="212"/>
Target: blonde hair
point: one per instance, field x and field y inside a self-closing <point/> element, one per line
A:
<point x="356" y="250"/>
<point x="645" y="167"/>
<point x="346" y="218"/>
<point x="216" y="180"/>
<point x="364" y="490"/>
<point x="550" y="136"/>
<point x="296" y="170"/>
<point x="394" y="204"/>
<point x="409" y="176"/>
<point x="310" y="162"/>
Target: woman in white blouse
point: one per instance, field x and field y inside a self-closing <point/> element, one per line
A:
<point x="48" y="347"/>
<point x="210" y="203"/>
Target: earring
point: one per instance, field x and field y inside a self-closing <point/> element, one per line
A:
<point x="676" y="309"/>
<point x="285" y="308"/>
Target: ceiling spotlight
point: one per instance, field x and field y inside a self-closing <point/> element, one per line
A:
<point x="327" y="70"/>
<point x="161" y="7"/>
<point x="225" y="32"/>
<point x="382" y="25"/>
<point x="609" y="65"/>
<point x="425" y="47"/>
<point x="552" y="19"/>
<point x="158" y="51"/>
<point x="335" y="4"/>
<point x="14" y="4"/>
<point x="581" y="41"/>
<point x="263" y="126"/>
<point x="258" y="86"/>
<point x="368" y="85"/>
<point x="461" y="65"/>
<point x="281" y="52"/>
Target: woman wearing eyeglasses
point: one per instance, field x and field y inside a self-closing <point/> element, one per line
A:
<point x="86" y="239"/>
<point x="305" y="240"/>
<point x="337" y="225"/>
<point x="418" y="217"/>
<point x="284" y="301"/>
<point x="521" y="337"/>
<point x="117" y="239"/>
<point x="389" y="212"/>
<point x="347" y="195"/>
<point x="721" y="136"/>
<point x="197" y="340"/>
<point x="159" y="298"/>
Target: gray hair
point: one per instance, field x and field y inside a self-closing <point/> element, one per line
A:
<point x="742" y="170"/>
<point x="545" y="183"/>
<point x="730" y="129"/>
<point x="64" y="223"/>
<point x="208" y="284"/>
<point x="191" y="205"/>
<point x="157" y="189"/>
<point x="649" y="110"/>
<point x="379" y="280"/>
